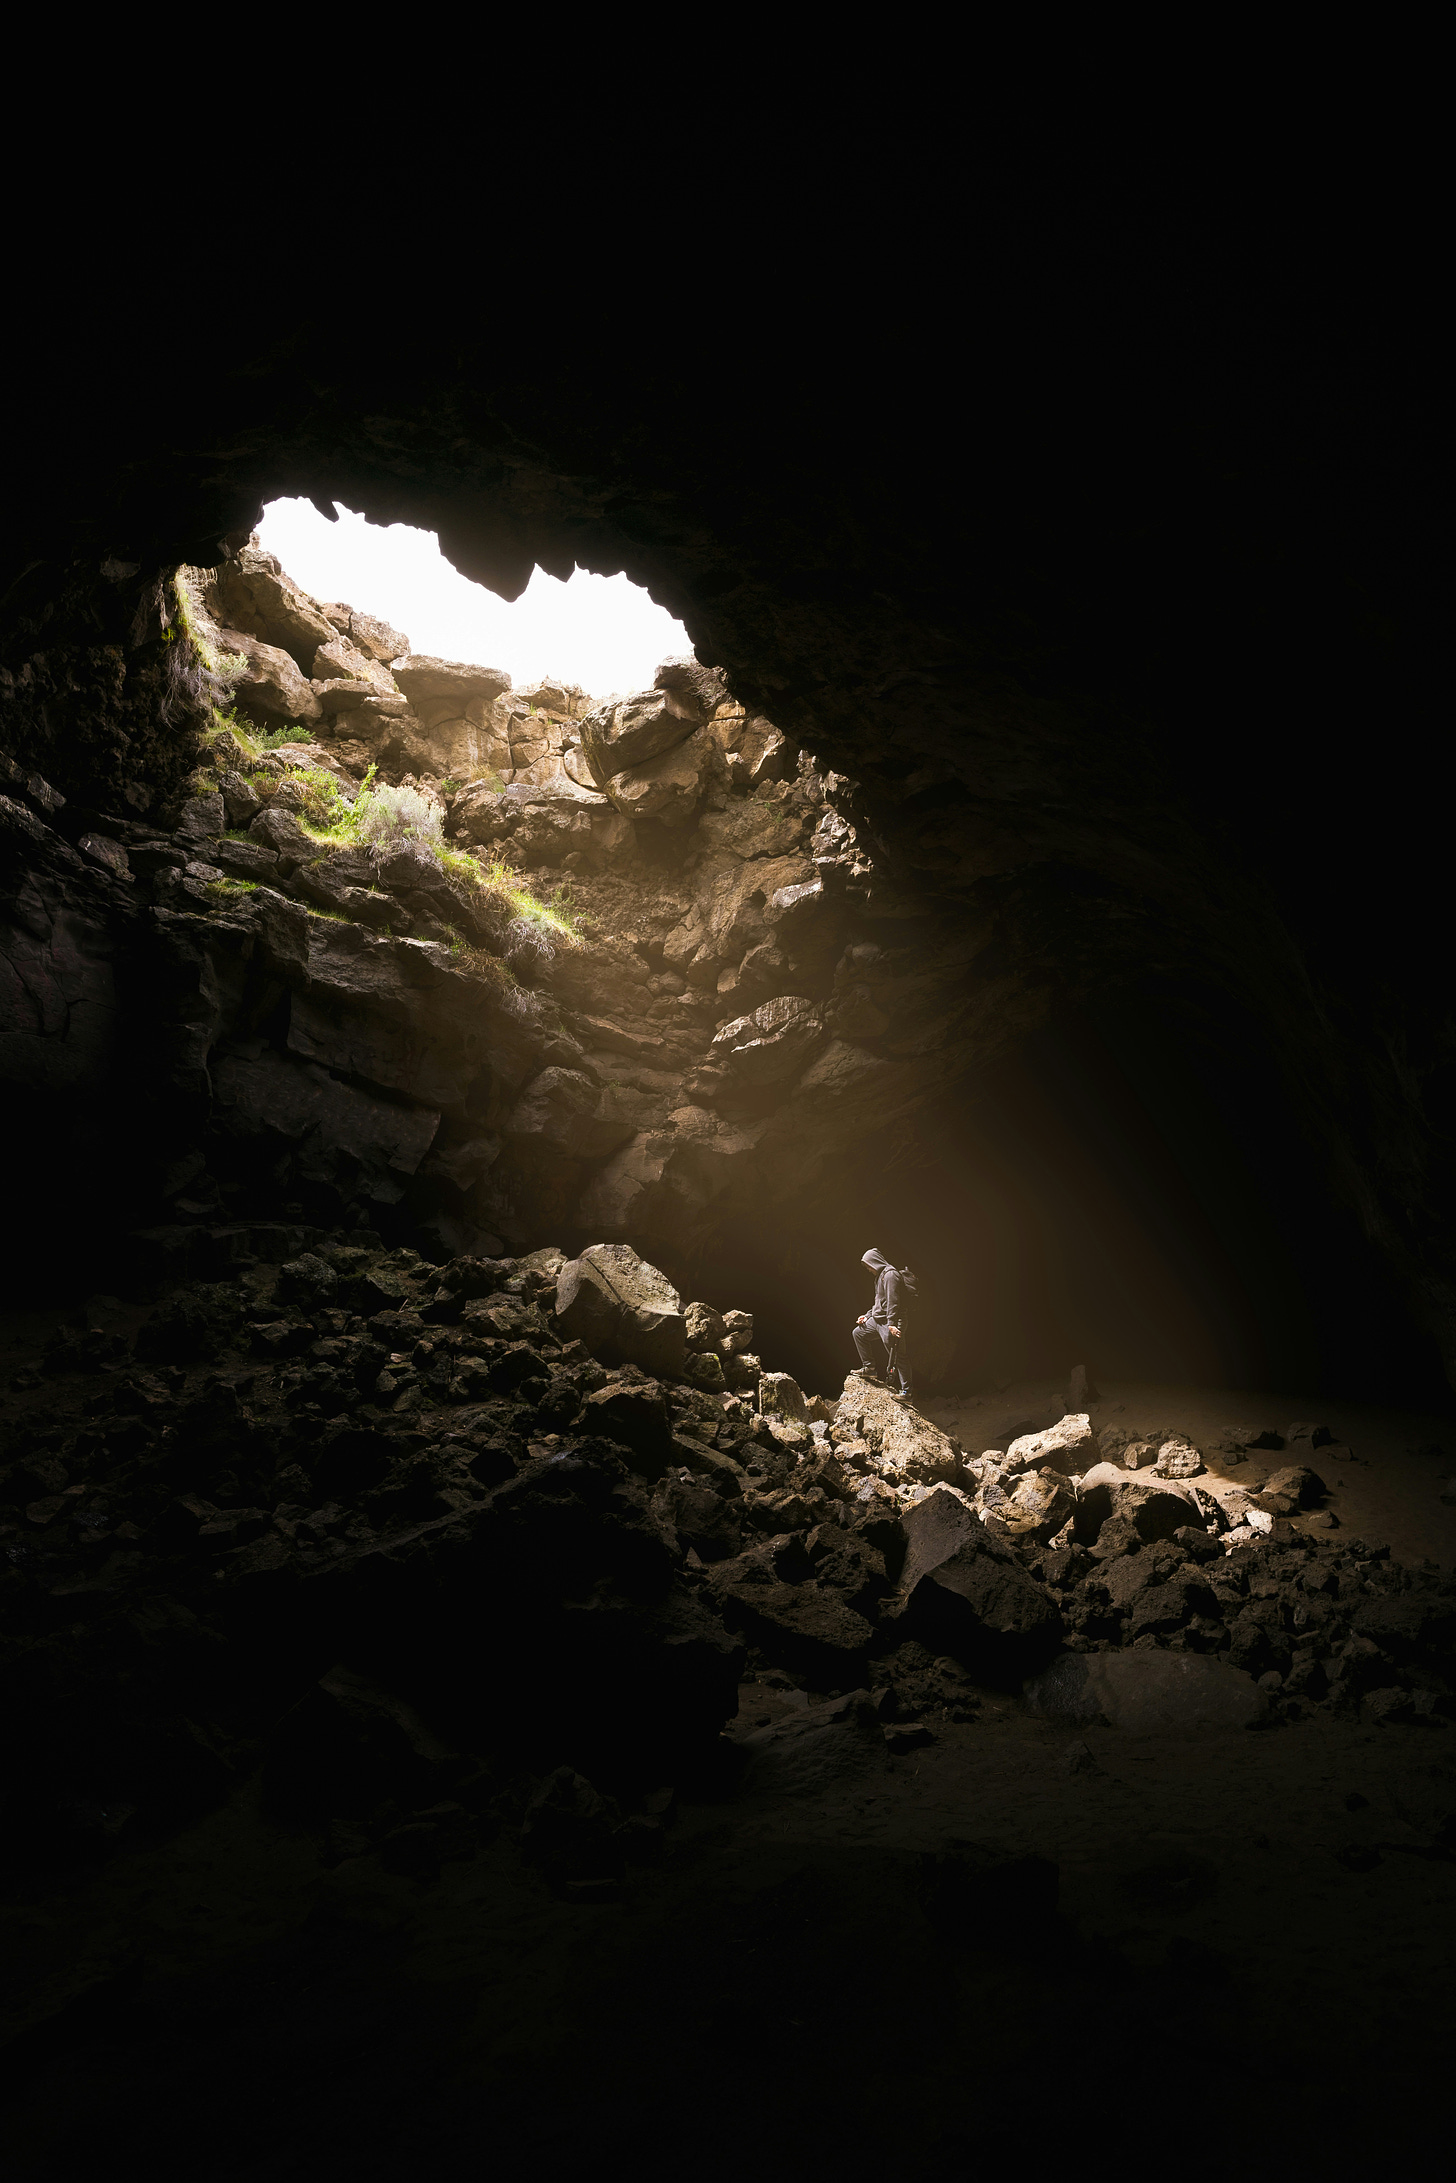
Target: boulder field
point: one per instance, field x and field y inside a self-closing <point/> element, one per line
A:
<point x="401" y="1532"/>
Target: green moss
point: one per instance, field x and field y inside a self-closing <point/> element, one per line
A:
<point x="225" y="890"/>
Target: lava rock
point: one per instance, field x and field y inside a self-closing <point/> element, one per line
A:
<point x="1147" y="1692"/>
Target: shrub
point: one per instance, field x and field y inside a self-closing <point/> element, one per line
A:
<point x="385" y="817"/>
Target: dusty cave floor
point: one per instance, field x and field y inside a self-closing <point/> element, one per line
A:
<point x="1248" y="1937"/>
<point x="1250" y="1953"/>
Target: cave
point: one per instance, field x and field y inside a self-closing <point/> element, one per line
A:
<point x="447" y="1561"/>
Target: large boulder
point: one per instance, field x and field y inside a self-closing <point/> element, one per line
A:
<point x="1042" y="1501"/>
<point x="271" y="686"/>
<point x="1148" y="1692"/>
<point x="779" y="1392"/>
<point x="773" y="1043"/>
<point x="624" y="1309"/>
<point x="250" y="593"/>
<point x="373" y="637"/>
<point x="669" y="788"/>
<point x="1153" y="1510"/>
<point x="281" y="832"/>
<point x="422" y="677"/>
<point x="1069" y="1446"/>
<point x="968" y="1592"/>
<point x="637" y="730"/>
<point x="694" y="687"/>
<point x="909" y="1450"/>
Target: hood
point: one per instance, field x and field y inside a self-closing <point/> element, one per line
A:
<point x="875" y="1260"/>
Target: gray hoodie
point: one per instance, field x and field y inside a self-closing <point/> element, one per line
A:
<point x="891" y="1295"/>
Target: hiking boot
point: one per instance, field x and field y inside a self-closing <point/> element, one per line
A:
<point x="867" y="1372"/>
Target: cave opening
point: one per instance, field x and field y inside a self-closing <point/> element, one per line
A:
<point x="435" y="1513"/>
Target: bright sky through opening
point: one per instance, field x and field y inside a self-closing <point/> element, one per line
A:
<point x="601" y="631"/>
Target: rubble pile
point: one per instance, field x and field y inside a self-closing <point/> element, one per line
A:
<point x="412" y="1535"/>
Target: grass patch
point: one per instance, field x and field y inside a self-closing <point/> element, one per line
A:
<point x="254" y="740"/>
<point x="384" y="818"/>
<point x="226" y="890"/>
<point x="556" y="920"/>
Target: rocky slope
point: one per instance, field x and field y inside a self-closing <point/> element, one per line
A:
<point x="646" y="976"/>
<point x="416" y="1537"/>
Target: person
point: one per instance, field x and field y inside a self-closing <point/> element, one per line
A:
<point x="879" y="1333"/>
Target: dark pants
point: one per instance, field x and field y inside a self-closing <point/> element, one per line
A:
<point x="872" y="1342"/>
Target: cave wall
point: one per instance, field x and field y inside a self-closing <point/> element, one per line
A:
<point x="1140" y="673"/>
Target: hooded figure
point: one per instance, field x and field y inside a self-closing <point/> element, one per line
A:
<point x="879" y="1335"/>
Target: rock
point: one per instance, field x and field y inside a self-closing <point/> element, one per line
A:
<point x="778" y="1392"/>
<point x="1296" y="1483"/>
<point x="346" y="694"/>
<point x="307" y="1280"/>
<point x="969" y="1592"/>
<point x="1041" y="1503"/>
<point x="107" y="855"/>
<point x="1408" y="1626"/>
<point x="252" y="596"/>
<point x="771" y="1044"/>
<point x="637" y="730"/>
<point x="1389" y="1704"/>
<point x="800" y="1624"/>
<point x="281" y="832"/>
<point x="1177" y="1459"/>
<point x="1080" y="1390"/>
<point x="902" y="1737"/>
<point x="911" y="1451"/>
<point x="1067" y="1446"/>
<point x="1148" y="1692"/>
<point x="202" y="819"/>
<point x="1317" y="1436"/>
<point x="706" y="1328"/>
<point x="669" y="788"/>
<point x="691" y="685"/>
<point x="342" y="661"/>
<point x="634" y="1415"/>
<point x="374" y="638"/>
<point x="420" y="676"/>
<point x="624" y="1309"/>
<point x="739" y="1331"/>
<point x="1152" y="1511"/>
<point x="272" y="687"/>
<point x="363" y="1145"/>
